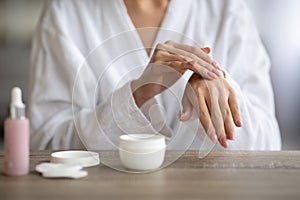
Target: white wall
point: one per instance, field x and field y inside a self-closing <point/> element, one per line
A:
<point x="279" y="25"/>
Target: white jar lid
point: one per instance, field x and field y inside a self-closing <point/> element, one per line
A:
<point x="82" y="158"/>
<point x="59" y="170"/>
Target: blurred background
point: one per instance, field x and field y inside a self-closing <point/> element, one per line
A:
<point x="277" y="21"/>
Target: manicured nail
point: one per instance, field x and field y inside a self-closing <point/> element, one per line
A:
<point x="192" y="62"/>
<point x="217" y="72"/>
<point x="215" y="138"/>
<point x="224" y="142"/>
<point x="230" y="135"/>
<point x="239" y="123"/>
<point x="212" y="75"/>
<point x="180" y="116"/>
<point x="216" y="65"/>
<point x="212" y="135"/>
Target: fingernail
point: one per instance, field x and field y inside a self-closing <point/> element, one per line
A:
<point x="216" y="65"/>
<point x="212" y="135"/>
<point x="217" y="72"/>
<point x="239" y="123"/>
<point x="180" y="116"/>
<point x="231" y="135"/>
<point x="212" y="75"/>
<point x="192" y="62"/>
<point x="215" y="138"/>
<point x="225" y="142"/>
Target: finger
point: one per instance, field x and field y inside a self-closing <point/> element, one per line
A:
<point x="235" y="111"/>
<point x="164" y="56"/>
<point x="187" y="108"/>
<point x="204" y="70"/>
<point x="218" y="122"/>
<point x="214" y="63"/>
<point x="197" y="51"/>
<point x="205" y="120"/>
<point x="175" y="61"/>
<point x="179" y="66"/>
<point x="200" y="67"/>
<point x="192" y="49"/>
<point x="226" y="113"/>
<point x="228" y="123"/>
<point x="223" y="140"/>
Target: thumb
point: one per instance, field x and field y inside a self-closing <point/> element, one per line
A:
<point x="187" y="108"/>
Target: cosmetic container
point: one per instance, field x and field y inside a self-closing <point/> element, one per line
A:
<point x="16" y="137"/>
<point x="142" y="152"/>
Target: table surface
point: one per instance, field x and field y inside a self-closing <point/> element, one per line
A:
<point x="221" y="175"/>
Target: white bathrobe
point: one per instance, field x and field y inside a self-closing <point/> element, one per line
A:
<point x="85" y="53"/>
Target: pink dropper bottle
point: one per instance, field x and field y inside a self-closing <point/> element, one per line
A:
<point x="16" y="137"/>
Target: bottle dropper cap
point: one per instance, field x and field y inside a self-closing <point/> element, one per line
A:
<point x="17" y="107"/>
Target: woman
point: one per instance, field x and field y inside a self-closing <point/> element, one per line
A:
<point x="71" y="96"/>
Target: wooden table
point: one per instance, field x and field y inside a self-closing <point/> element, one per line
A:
<point x="221" y="175"/>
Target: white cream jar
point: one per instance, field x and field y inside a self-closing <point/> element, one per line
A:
<point x="142" y="152"/>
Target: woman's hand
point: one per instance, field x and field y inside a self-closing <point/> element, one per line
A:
<point x="168" y="63"/>
<point x="216" y="105"/>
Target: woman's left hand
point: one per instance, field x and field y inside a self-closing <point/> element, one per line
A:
<point x="216" y="105"/>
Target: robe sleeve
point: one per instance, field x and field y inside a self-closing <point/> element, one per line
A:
<point x="61" y="112"/>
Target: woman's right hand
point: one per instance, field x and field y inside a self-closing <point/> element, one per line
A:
<point x="169" y="62"/>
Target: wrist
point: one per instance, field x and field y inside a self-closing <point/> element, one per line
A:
<point x="138" y="93"/>
<point x="144" y="92"/>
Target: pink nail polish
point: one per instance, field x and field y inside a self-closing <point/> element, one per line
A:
<point x="225" y="143"/>
<point x="216" y="65"/>
<point x="239" y="122"/>
<point x="217" y="72"/>
<point x="181" y="116"/>
<point x="231" y="135"/>
<point x="212" y="135"/>
<point x="212" y="75"/>
<point x="192" y="62"/>
<point x="215" y="138"/>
